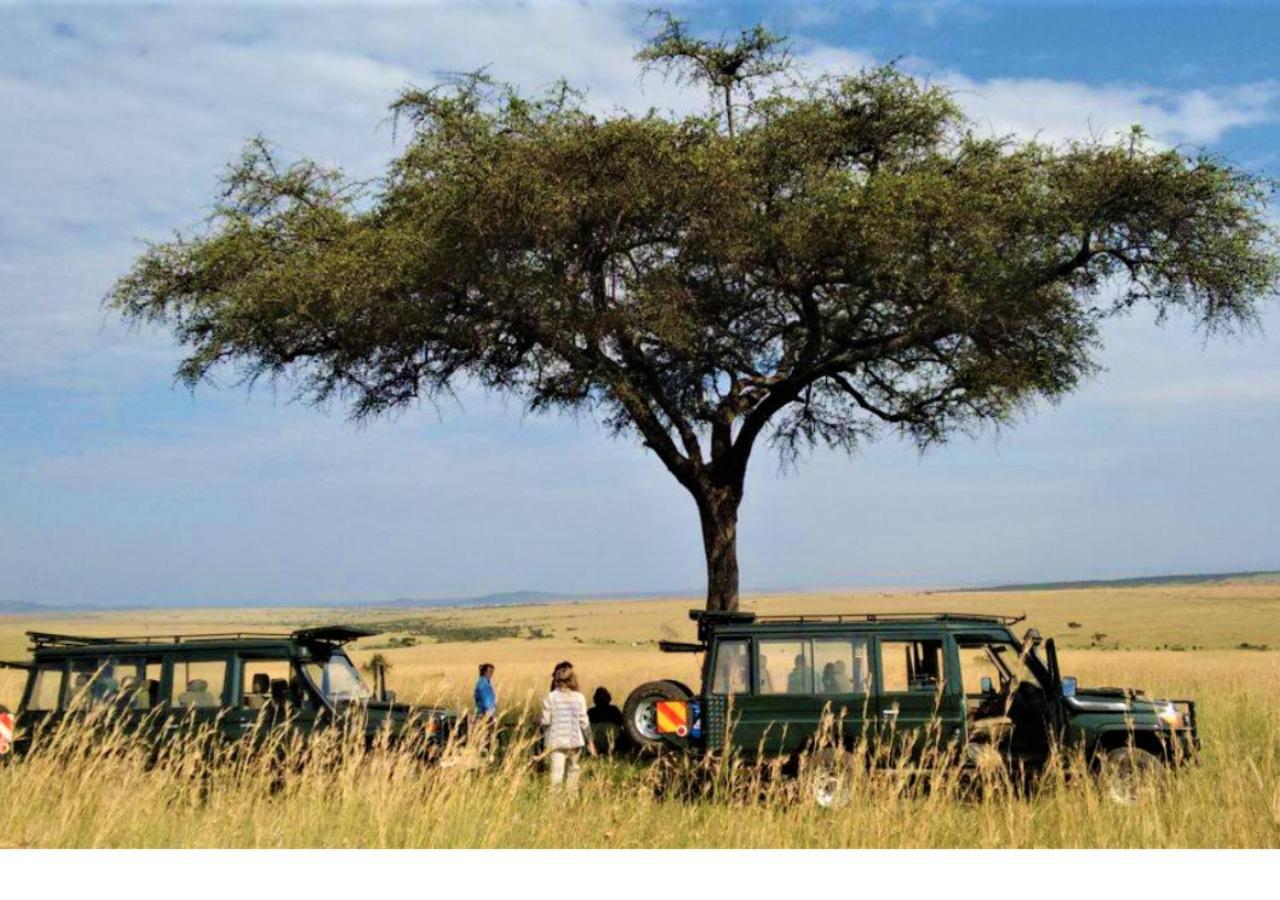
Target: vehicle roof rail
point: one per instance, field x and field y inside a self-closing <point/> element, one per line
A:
<point x="894" y="617"/>
<point x="48" y="639"/>
<point x="707" y="619"/>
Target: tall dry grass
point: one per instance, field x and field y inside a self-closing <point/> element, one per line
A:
<point x="98" y="787"/>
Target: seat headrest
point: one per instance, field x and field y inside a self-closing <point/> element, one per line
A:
<point x="198" y="686"/>
<point x="261" y="683"/>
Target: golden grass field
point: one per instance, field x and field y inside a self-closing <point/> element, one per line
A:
<point x="1232" y="799"/>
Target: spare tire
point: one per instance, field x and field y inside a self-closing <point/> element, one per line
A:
<point x="639" y="715"/>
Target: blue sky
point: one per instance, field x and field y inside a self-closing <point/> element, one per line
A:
<point x="117" y="487"/>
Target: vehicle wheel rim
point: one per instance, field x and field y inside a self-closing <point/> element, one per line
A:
<point x="1120" y="786"/>
<point x="828" y="789"/>
<point x="645" y="719"/>
<point x="1123" y="774"/>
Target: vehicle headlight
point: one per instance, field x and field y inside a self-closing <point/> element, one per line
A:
<point x="1170" y="715"/>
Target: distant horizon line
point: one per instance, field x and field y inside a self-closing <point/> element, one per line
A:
<point x="528" y="597"/>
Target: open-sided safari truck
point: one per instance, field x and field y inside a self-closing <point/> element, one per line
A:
<point x="957" y="684"/>
<point x="238" y="684"/>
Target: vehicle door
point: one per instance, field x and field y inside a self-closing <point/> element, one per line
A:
<point x="200" y="694"/>
<point x="269" y="695"/>
<point x="919" y="701"/>
<point x="780" y="713"/>
<point x="726" y="682"/>
<point x="843" y="685"/>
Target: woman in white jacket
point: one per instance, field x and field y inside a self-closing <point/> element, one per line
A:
<point x="565" y="727"/>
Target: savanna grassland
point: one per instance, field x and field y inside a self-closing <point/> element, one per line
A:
<point x="1218" y="643"/>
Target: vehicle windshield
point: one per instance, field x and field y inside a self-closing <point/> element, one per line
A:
<point x="337" y="679"/>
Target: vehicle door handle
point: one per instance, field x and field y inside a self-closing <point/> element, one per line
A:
<point x="892" y="712"/>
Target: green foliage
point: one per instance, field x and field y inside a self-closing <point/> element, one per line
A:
<point x="834" y="257"/>
<point x="447" y="630"/>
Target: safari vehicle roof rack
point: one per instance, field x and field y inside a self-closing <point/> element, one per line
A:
<point x="332" y="634"/>
<point x="708" y="619"/>
<point x="896" y="617"/>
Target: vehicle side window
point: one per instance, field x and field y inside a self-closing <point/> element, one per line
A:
<point x="263" y="681"/>
<point x="198" y="684"/>
<point x="784" y="667"/>
<point x="841" y="665"/>
<point x="46" y="688"/>
<point x="732" y="671"/>
<point x="95" y="681"/>
<point x="911" y="667"/>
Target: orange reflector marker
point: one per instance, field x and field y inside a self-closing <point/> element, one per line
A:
<point x="672" y="717"/>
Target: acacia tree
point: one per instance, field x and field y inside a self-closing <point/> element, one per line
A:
<point x="814" y="260"/>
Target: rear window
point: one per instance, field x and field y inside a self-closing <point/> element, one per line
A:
<point x="46" y="688"/>
<point x="732" y="671"/>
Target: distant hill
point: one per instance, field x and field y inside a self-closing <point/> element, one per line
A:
<point x="21" y="606"/>
<point x="1142" y="581"/>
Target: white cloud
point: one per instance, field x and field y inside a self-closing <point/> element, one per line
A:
<point x="119" y="121"/>
<point x="1063" y="110"/>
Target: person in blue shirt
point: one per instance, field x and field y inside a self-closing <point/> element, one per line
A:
<point x="486" y="696"/>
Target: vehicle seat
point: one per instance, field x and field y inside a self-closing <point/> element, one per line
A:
<point x="259" y="691"/>
<point x="279" y="691"/>
<point x="197" y="695"/>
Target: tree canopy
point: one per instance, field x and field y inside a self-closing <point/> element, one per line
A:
<point x="812" y="261"/>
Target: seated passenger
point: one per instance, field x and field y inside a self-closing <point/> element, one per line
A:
<point x="840" y="681"/>
<point x="104" y="689"/>
<point x="798" y="680"/>
<point x="259" y="691"/>
<point x="133" y="693"/>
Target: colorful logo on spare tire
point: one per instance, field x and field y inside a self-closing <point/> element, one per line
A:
<point x="673" y="717"/>
<point x="6" y="732"/>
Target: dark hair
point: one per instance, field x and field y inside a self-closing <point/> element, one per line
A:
<point x="563" y="677"/>
<point x="602" y="697"/>
<point x="485" y="669"/>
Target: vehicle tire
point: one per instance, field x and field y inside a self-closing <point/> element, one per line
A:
<point x="826" y="778"/>
<point x="688" y="691"/>
<point x="639" y="715"/>
<point x="1124" y="772"/>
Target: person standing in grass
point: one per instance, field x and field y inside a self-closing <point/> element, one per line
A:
<point x="486" y="718"/>
<point x="565" y="727"/>
<point x="486" y="697"/>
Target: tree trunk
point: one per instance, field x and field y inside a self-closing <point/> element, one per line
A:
<point x="718" y="509"/>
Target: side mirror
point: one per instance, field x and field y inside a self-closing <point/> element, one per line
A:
<point x="986" y="685"/>
<point x="1069" y="686"/>
<point x="1032" y="637"/>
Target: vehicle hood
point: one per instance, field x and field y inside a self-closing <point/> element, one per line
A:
<point x="1114" y="699"/>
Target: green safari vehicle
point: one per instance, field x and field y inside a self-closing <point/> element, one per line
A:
<point x="242" y="684"/>
<point x="958" y="684"/>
